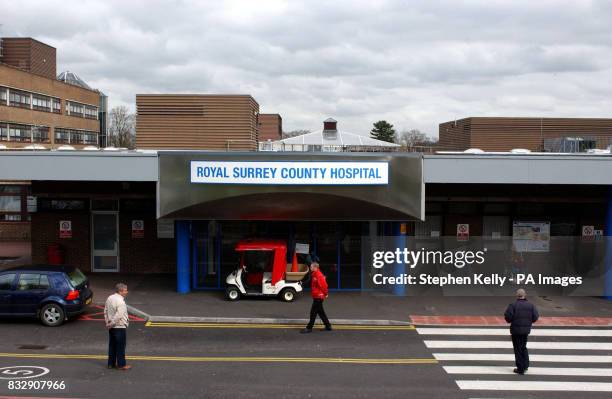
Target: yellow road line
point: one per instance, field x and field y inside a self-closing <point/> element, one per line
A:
<point x="272" y="326"/>
<point x="227" y="359"/>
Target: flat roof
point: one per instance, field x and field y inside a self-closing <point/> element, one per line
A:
<point x="487" y="168"/>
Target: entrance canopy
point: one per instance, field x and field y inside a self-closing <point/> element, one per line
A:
<point x="290" y="186"/>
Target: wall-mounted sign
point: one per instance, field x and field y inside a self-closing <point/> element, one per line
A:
<point x="302" y="248"/>
<point x="137" y="228"/>
<point x="165" y="228"/>
<point x="531" y="236"/>
<point x="463" y="232"/>
<point x="65" y="229"/>
<point x="290" y="173"/>
<point x="588" y="232"/>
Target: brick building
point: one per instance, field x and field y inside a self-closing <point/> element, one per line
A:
<point x="270" y="127"/>
<point x="199" y="121"/>
<point x="534" y="134"/>
<point x="38" y="109"/>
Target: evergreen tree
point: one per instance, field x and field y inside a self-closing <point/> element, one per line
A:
<point x="384" y="131"/>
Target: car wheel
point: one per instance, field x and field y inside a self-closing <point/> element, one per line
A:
<point x="232" y="293"/>
<point x="52" y="315"/>
<point x="288" y="294"/>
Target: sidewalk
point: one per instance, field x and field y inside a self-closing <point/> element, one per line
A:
<point x="155" y="296"/>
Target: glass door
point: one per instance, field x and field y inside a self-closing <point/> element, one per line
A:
<point x="105" y="242"/>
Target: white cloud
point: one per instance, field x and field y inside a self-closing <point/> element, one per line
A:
<point x="415" y="64"/>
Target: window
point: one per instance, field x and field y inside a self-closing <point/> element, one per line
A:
<point x="3" y="96"/>
<point x="3" y="132"/>
<point x="91" y="112"/>
<point x="41" y="103"/>
<point x="76" y="136"/>
<point x="32" y="281"/>
<point x="19" y="133"/>
<point x="40" y="134"/>
<point x="19" y="98"/>
<point x="10" y="203"/>
<point x="62" y="135"/>
<point x="90" y="138"/>
<point x="12" y="218"/>
<point x="73" y="136"/>
<point x="57" y="105"/>
<point x="10" y="189"/>
<point x="6" y="281"/>
<point x="76" y="277"/>
<point x="75" y="109"/>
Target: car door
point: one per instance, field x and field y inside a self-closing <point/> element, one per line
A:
<point x="7" y="284"/>
<point x="31" y="289"/>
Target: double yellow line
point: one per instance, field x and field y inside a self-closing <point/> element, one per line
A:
<point x="165" y="324"/>
<point x="228" y="359"/>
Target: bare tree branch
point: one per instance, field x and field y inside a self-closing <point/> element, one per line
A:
<point x="122" y="128"/>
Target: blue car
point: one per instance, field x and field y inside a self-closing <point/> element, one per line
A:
<point x="52" y="293"/>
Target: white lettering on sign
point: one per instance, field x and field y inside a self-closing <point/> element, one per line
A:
<point x="290" y="173"/>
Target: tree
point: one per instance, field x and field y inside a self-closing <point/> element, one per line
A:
<point x="121" y="129"/>
<point x="410" y="139"/>
<point x="384" y="131"/>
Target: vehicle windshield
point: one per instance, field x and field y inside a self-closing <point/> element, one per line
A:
<point x="259" y="261"/>
<point x="76" y="277"/>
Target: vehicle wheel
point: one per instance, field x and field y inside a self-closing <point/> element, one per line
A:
<point x="232" y="293"/>
<point x="52" y="315"/>
<point x="288" y="295"/>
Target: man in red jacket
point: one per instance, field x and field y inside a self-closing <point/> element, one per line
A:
<point x="319" y="293"/>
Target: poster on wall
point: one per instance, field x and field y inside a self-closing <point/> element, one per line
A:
<point x="65" y="229"/>
<point x="531" y="236"/>
<point x="137" y="228"/>
<point x="463" y="232"/>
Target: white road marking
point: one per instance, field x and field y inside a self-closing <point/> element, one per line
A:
<point x="532" y="357"/>
<point x="530" y="345"/>
<point x="536" y="332"/>
<point x="22" y="372"/>
<point x="572" y="371"/>
<point x="535" y="386"/>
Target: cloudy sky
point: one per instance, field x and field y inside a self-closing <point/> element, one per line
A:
<point x="413" y="63"/>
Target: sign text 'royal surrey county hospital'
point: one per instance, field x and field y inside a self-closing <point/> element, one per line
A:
<point x="290" y="173"/>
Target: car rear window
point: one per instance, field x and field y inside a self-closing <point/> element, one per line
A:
<point x="76" y="277"/>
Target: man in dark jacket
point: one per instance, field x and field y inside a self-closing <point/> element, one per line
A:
<point x="319" y="293"/>
<point x="521" y="315"/>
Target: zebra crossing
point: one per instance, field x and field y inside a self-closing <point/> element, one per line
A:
<point x="561" y="359"/>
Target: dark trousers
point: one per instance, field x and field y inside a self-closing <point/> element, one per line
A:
<point x="317" y="309"/>
<point x="521" y="356"/>
<point x="117" y="339"/>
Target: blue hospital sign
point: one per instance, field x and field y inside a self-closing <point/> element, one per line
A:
<point x="290" y="173"/>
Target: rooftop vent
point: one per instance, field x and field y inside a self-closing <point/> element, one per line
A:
<point x="520" y="151"/>
<point x="35" y="147"/>
<point x="330" y="124"/>
<point x="330" y="129"/>
<point x="65" y="148"/>
<point x="474" y="151"/>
